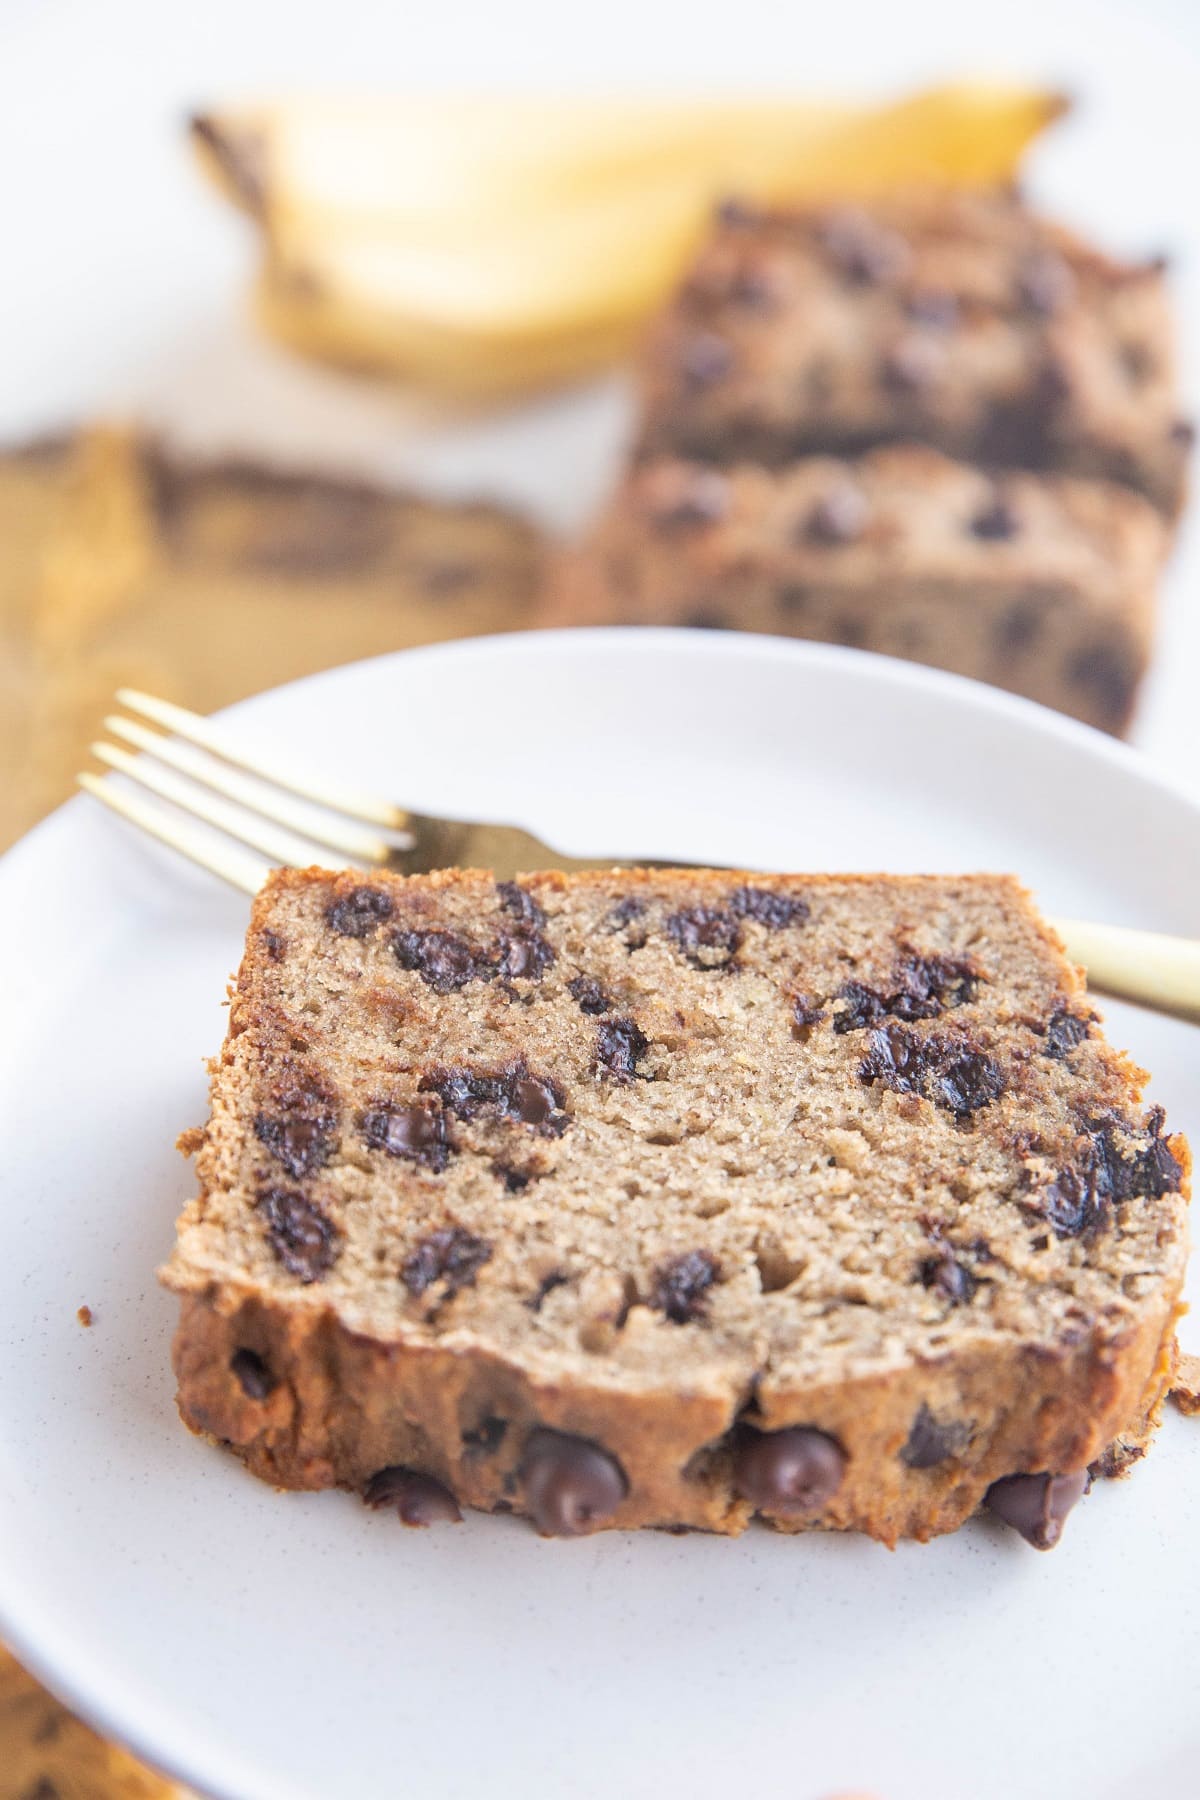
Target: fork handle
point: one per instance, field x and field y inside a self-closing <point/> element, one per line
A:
<point x="1144" y="966"/>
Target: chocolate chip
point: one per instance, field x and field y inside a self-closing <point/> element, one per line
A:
<point x="515" y="1180"/>
<point x="257" y="1381"/>
<point x="1063" y="1031"/>
<point x="707" y="935"/>
<point x="921" y="987"/>
<point x="512" y="1092"/>
<point x="535" y="1100"/>
<point x="806" y="1012"/>
<point x="525" y="955"/>
<point x="300" y="1127"/>
<point x="704" y="359"/>
<point x="797" y="1470"/>
<point x="949" y="1278"/>
<point x="1139" y="362"/>
<point x="625" y="911"/>
<point x="736" y="214"/>
<point x="520" y="903"/>
<point x="947" y="1070"/>
<point x="839" y="516"/>
<point x="419" y="1499"/>
<point x="933" y="307"/>
<point x="1019" y="627"/>
<point x="964" y="1084"/>
<point x="912" y="366"/>
<point x="303" y="1237"/>
<point x="441" y="579"/>
<point x="301" y="1145"/>
<point x="274" y="945"/>
<point x="546" y="1286"/>
<point x="997" y="521"/>
<point x="357" y="913"/>
<point x="753" y="285"/>
<point x="681" y="1285"/>
<point x="1148" y="1172"/>
<point x="1053" y="386"/>
<point x="1104" y="673"/>
<point x="679" y="496"/>
<point x="707" y="618"/>
<point x="485" y="1438"/>
<point x="1045" y="283"/>
<point x="451" y="1255"/>
<point x="865" y="253"/>
<point x="416" y="1132"/>
<point x="444" y="960"/>
<point x="1073" y="1202"/>
<point x="621" y="1045"/>
<point x="932" y="1440"/>
<point x="589" y="995"/>
<point x="571" y="1484"/>
<point x="768" y="907"/>
<point x="1036" y="1505"/>
<point x="1080" y="1196"/>
<point x="1183" y="433"/>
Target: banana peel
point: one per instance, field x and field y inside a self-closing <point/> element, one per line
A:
<point x="484" y="246"/>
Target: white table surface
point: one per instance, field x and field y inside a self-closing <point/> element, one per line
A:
<point x="124" y="278"/>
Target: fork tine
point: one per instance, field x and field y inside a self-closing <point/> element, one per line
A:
<point x="223" y="860"/>
<point x="365" y="807"/>
<point x="351" y="840"/>
<point x="282" y="848"/>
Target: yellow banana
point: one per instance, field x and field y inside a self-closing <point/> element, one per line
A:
<point x="489" y="245"/>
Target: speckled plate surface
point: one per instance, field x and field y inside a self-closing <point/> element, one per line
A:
<point x="285" y="1647"/>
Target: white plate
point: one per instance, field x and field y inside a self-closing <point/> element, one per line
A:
<point x="286" y="1646"/>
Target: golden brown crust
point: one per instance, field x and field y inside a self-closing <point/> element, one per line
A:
<point x="347" y="1407"/>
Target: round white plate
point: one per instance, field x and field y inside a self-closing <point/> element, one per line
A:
<point x="265" y="1645"/>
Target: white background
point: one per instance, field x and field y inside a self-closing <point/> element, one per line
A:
<point x="123" y="277"/>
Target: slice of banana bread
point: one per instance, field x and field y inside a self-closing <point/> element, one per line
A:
<point x="669" y="1198"/>
<point x="959" y="319"/>
<point x="1041" y="584"/>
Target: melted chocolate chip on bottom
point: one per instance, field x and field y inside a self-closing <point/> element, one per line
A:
<point x="571" y="1484"/>
<point x="419" y="1499"/>
<point x="1036" y="1505"/>
<point x="789" y="1472"/>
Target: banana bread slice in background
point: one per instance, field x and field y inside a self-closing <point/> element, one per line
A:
<point x="670" y="1198"/>
<point x="1045" y="585"/>
<point x="129" y="563"/>
<point x="962" y="320"/>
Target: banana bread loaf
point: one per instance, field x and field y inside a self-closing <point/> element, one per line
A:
<point x="672" y="1198"/>
<point x="1041" y="584"/>
<point x="958" y="319"/>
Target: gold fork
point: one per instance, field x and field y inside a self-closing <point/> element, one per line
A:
<point x="283" y="816"/>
